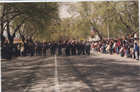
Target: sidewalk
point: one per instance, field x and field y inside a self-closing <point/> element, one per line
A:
<point x="115" y="56"/>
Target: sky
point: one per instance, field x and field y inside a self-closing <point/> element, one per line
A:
<point x="64" y="13"/>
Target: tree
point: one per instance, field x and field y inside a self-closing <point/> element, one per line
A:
<point x="121" y="17"/>
<point x="27" y="12"/>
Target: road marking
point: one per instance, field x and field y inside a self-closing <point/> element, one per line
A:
<point x="56" y="77"/>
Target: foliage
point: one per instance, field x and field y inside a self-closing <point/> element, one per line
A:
<point x="121" y="17"/>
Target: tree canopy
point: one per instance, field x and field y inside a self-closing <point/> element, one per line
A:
<point x="41" y="20"/>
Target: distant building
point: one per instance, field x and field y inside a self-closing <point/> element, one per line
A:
<point x="16" y="40"/>
<point x="96" y="38"/>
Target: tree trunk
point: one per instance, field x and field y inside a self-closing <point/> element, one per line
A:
<point x="10" y="38"/>
<point x="2" y="28"/>
<point x="2" y="37"/>
<point x="2" y="40"/>
<point x="135" y="32"/>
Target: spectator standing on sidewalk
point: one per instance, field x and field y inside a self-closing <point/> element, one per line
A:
<point x="131" y="51"/>
<point x="127" y="50"/>
<point x="104" y="48"/>
<point x="107" y="48"/>
<point x="111" y="47"/>
<point x="121" y="51"/>
<point x="136" y="51"/>
<point x="93" y="46"/>
<point x="117" y="46"/>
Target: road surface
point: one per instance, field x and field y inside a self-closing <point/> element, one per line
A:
<point x="80" y="73"/>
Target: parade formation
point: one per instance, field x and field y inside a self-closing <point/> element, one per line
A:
<point x="37" y="48"/>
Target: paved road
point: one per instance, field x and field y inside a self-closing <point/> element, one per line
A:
<point x="85" y="73"/>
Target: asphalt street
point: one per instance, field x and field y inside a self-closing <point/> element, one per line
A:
<point x="79" y="73"/>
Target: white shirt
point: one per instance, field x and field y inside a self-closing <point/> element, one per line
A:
<point x="121" y="49"/>
<point x="22" y="48"/>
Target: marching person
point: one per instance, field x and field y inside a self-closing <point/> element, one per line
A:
<point x="9" y="51"/>
<point x="59" y="47"/>
<point x="67" y="50"/>
<point x="87" y="47"/>
<point x="31" y="49"/>
<point x="83" y="47"/>
<point x="52" y="48"/>
<point x="79" y="47"/>
<point x="73" y="48"/>
<point x="39" y="49"/>
<point x="36" y="48"/>
<point x="44" y="48"/>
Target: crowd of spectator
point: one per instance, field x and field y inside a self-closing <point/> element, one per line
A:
<point x="127" y="47"/>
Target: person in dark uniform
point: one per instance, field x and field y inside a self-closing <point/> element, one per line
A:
<point x="52" y="48"/>
<point x="9" y="51"/>
<point x="83" y="47"/>
<point x="39" y="49"/>
<point x="31" y="49"/>
<point x="14" y="51"/>
<point x="4" y="51"/>
<point x="67" y="50"/>
<point x="73" y="48"/>
<point x="26" y="48"/>
<point x="87" y="47"/>
<point x="79" y="48"/>
<point x="55" y="43"/>
<point x="36" y="48"/>
<point x="44" y="48"/>
<point x="59" y="47"/>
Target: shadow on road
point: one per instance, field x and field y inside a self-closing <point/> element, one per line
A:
<point x="105" y="75"/>
<point x="29" y="75"/>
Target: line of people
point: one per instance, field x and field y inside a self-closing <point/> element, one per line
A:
<point x="127" y="46"/>
<point x="22" y="49"/>
<point x="8" y="51"/>
<point x="70" y="47"/>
